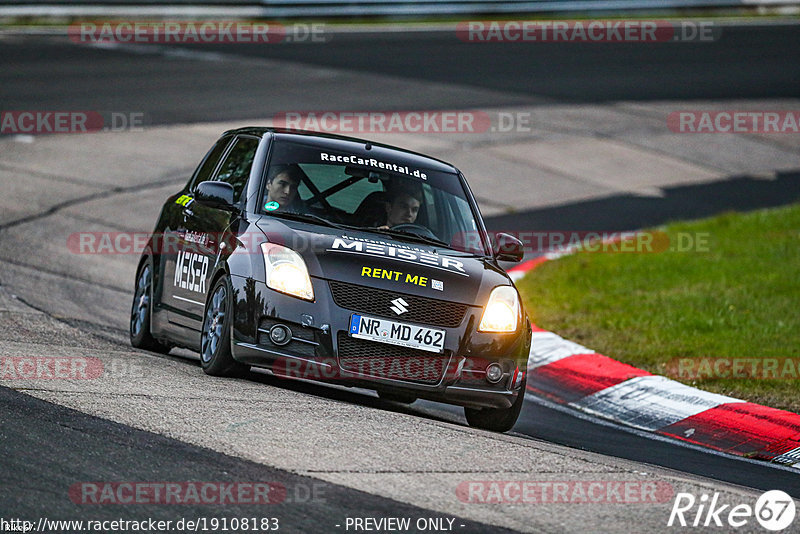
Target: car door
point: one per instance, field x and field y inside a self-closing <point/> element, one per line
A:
<point x="205" y="228"/>
<point x="171" y="246"/>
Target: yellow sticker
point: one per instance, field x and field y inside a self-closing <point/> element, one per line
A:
<point x="183" y="200"/>
<point x="396" y="276"/>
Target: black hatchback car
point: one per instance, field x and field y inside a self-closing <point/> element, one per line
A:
<point x="339" y="260"/>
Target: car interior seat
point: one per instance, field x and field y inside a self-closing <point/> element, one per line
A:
<point x="372" y="210"/>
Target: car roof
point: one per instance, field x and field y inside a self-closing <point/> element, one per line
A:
<point x="350" y="144"/>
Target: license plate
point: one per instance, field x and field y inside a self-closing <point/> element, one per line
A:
<point x="393" y="333"/>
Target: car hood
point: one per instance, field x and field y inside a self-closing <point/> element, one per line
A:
<point x="385" y="262"/>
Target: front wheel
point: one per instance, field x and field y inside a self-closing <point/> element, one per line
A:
<point x="141" y="309"/>
<point x="215" y="340"/>
<point x="496" y="419"/>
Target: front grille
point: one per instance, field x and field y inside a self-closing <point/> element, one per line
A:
<point x="389" y="361"/>
<point x="378" y="301"/>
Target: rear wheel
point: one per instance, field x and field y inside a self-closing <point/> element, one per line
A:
<point x="496" y="419"/>
<point x="215" y="340"/>
<point x="141" y="336"/>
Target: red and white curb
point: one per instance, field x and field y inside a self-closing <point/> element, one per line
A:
<point x="569" y="374"/>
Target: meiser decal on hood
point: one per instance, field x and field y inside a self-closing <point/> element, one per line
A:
<point x="429" y="259"/>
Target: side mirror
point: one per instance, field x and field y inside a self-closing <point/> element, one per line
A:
<point x="508" y="248"/>
<point x="215" y="194"/>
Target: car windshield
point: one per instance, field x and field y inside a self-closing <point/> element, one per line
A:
<point x="370" y="193"/>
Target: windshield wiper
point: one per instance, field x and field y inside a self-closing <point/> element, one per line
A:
<point x="307" y="217"/>
<point x="409" y="235"/>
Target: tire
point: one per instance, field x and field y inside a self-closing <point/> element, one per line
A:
<point x="397" y="397"/>
<point x="141" y="309"/>
<point x="496" y="419"/>
<point x="215" y="338"/>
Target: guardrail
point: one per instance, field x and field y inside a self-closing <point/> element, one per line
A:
<point x="356" y="8"/>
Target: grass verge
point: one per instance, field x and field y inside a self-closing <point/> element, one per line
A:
<point x="723" y="316"/>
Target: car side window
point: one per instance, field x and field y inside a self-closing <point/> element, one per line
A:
<point x="206" y="169"/>
<point x="235" y="168"/>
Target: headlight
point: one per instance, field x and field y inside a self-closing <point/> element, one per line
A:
<point x="286" y="271"/>
<point x="501" y="312"/>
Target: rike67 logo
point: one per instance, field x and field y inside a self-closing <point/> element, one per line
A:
<point x="774" y="511"/>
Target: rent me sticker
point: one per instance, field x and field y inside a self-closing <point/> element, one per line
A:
<point x="395" y="276"/>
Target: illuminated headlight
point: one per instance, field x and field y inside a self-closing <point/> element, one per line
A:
<point x="286" y="271"/>
<point x="501" y="312"/>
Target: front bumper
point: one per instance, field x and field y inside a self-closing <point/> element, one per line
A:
<point x="321" y="350"/>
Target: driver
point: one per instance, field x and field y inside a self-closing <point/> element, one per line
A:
<point x="402" y="207"/>
<point x="282" y="184"/>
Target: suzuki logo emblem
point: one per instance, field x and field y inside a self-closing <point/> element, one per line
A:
<point x="399" y="306"/>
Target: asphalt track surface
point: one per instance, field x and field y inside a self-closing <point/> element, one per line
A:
<point x="41" y="73"/>
<point x="744" y="63"/>
<point x="83" y="444"/>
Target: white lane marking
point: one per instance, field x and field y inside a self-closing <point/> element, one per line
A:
<point x="189" y="300"/>
<point x="791" y="457"/>
<point x="650" y="402"/>
<point x="547" y="347"/>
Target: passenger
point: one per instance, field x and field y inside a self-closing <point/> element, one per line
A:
<point x="282" y="184"/>
<point x="402" y="207"/>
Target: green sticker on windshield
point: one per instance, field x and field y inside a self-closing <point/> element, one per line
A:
<point x="271" y="205"/>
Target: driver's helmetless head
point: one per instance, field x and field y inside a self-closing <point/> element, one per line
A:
<point x="403" y="208"/>
<point x="282" y="183"/>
